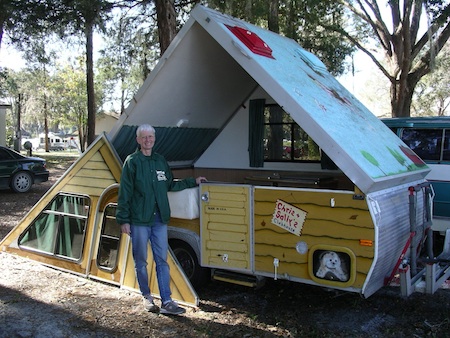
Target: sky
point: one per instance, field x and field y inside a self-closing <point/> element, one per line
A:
<point x="368" y="85"/>
<point x="10" y="58"/>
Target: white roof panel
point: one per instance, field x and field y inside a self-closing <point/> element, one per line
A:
<point x="216" y="61"/>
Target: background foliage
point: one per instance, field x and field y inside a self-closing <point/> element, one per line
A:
<point x="63" y="86"/>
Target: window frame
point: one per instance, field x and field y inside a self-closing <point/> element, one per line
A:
<point x="108" y="238"/>
<point x="443" y="142"/>
<point x="63" y="222"/>
<point x="292" y="124"/>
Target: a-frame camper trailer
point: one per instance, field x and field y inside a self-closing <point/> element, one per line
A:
<point x="305" y="184"/>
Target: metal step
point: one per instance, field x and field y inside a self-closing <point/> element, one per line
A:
<point x="238" y="278"/>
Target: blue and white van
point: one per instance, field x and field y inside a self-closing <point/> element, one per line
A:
<point x="429" y="138"/>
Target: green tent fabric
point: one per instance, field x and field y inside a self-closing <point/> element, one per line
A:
<point x="55" y="229"/>
<point x="175" y="144"/>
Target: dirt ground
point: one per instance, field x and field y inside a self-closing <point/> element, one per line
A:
<point x="37" y="301"/>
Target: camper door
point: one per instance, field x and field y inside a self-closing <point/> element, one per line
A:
<point x="226" y="223"/>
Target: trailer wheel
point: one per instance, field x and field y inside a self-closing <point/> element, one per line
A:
<point x="198" y="276"/>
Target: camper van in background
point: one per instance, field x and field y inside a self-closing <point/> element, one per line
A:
<point x="429" y="138"/>
<point x="55" y="142"/>
<point x="58" y="143"/>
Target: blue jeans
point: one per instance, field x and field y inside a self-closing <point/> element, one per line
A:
<point x="157" y="234"/>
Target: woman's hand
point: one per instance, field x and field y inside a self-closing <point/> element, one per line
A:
<point x="200" y="179"/>
<point x="126" y="229"/>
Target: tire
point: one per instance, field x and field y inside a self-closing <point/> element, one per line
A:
<point x="21" y="182"/>
<point x="197" y="275"/>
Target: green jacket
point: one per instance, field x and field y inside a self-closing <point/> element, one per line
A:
<point x="144" y="184"/>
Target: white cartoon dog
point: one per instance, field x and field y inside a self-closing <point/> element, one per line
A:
<point x="330" y="267"/>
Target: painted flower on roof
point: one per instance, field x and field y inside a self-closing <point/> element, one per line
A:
<point x="413" y="156"/>
<point x="417" y="162"/>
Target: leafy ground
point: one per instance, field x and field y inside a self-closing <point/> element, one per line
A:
<point x="37" y="301"/>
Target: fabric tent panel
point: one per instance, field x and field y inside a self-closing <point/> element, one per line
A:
<point x="175" y="144"/>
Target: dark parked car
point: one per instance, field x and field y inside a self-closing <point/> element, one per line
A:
<point x="19" y="172"/>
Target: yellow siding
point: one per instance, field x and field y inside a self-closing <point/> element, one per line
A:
<point x="241" y="228"/>
<point x="84" y="190"/>
<point x="236" y="255"/>
<point x="225" y="217"/>
<point x="233" y="237"/>
<point x="342" y="225"/>
<point x="48" y="260"/>
<point x="226" y="247"/>
<point x="222" y="190"/>
<point x="225" y="227"/>
<point x="224" y="203"/>
<point x="351" y="215"/>
<point x="96" y="163"/>
<point x="237" y="264"/>
<point x="92" y="177"/>
<point x="109" y="157"/>
<point x="90" y="173"/>
<point x="101" y="183"/>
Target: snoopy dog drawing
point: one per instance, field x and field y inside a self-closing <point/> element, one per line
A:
<point x="330" y="267"/>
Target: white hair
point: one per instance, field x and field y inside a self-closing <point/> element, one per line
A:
<point x="144" y="127"/>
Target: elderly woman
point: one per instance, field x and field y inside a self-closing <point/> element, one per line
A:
<point x="143" y="213"/>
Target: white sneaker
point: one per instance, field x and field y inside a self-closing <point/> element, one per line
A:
<point x="149" y="305"/>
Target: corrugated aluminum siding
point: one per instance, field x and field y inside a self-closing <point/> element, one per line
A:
<point x="391" y="214"/>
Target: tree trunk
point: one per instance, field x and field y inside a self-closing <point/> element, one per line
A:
<point x="46" y="143"/>
<point x="122" y="95"/>
<point x="81" y="136"/>
<point x="1" y="33"/>
<point x="167" y="26"/>
<point x="402" y="92"/>
<point x="90" y="83"/>
<point x="18" y="136"/>
<point x="273" y="22"/>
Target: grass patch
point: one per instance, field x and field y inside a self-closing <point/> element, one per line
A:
<point x="57" y="159"/>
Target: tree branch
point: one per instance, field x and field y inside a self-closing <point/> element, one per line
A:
<point x="378" y="26"/>
<point x="415" y="22"/>
<point x="423" y="66"/>
<point x="435" y="26"/>
<point x="367" y="52"/>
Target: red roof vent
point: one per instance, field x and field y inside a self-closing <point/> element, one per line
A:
<point x="252" y="41"/>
